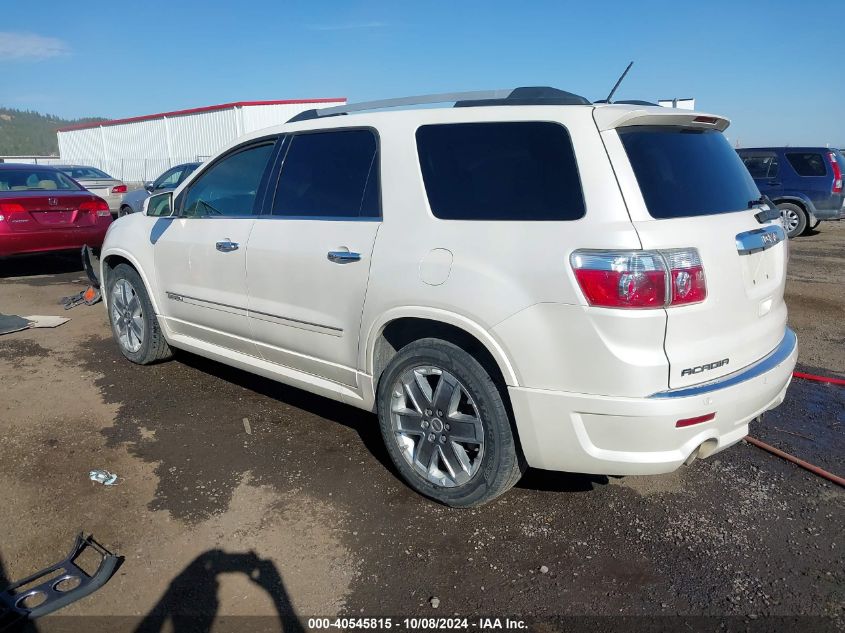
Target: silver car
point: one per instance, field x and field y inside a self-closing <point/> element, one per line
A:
<point x="133" y="202"/>
<point x="97" y="182"/>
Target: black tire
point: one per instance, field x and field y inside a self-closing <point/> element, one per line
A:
<point x="793" y="216"/>
<point x="153" y="347"/>
<point x="500" y="465"/>
<point x="124" y="210"/>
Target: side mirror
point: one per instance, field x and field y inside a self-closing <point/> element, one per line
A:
<point x="148" y="185"/>
<point x="160" y="205"/>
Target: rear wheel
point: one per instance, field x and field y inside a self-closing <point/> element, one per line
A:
<point x="133" y="321"/>
<point x="794" y="218"/>
<point x="445" y="425"/>
<point x="124" y="210"/>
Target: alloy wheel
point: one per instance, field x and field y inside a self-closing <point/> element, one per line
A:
<point x="790" y="220"/>
<point x="437" y="425"/>
<point x="126" y="315"/>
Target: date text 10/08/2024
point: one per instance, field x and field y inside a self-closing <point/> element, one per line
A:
<point x="418" y="624"/>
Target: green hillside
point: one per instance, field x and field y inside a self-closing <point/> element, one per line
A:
<point x="24" y="133"/>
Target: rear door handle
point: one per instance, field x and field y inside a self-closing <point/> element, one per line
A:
<point x="343" y="257"/>
<point x="227" y="246"/>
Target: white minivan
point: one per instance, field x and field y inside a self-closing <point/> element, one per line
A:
<point x="523" y="279"/>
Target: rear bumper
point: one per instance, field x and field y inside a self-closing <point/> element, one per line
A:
<point x="637" y="436"/>
<point x="51" y="240"/>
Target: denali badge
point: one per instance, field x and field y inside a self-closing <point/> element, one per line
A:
<point x="706" y="367"/>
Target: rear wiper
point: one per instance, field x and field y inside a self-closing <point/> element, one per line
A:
<point x="767" y="214"/>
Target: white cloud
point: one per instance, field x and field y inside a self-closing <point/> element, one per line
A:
<point x="24" y="46"/>
<point x="347" y="26"/>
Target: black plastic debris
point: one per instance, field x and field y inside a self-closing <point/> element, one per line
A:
<point x="55" y="586"/>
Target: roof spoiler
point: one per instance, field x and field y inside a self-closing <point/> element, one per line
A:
<point x="610" y="117"/>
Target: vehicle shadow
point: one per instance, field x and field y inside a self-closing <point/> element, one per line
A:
<point x="366" y="425"/>
<point x="191" y="601"/>
<point x="362" y="422"/>
<point x="46" y="264"/>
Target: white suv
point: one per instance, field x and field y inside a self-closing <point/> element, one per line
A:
<point x="525" y="279"/>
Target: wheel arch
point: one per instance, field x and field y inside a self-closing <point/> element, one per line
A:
<point x="110" y="260"/>
<point x="401" y="326"/>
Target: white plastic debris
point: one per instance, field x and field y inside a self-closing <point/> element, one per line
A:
<point x="103" y="477"/>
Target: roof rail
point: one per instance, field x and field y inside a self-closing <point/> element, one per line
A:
<point x="540" y="95"/>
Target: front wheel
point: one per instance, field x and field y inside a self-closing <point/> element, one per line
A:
<point x="133" y="321"/>
<point x="794" y="219"/>
<point x="446" y="426"/>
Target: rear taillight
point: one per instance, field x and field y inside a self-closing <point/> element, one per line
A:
<point x="97" y="205"/>
<point x="837" y="173"/>
<point x="118" y="189"/>
<point x="11" y="207"/>
<point x="640" y="279"/>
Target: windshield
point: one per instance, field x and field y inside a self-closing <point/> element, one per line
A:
<point x="685" y="172"/>
<point x="86" y="173"/>
<point x="35" y="179"/>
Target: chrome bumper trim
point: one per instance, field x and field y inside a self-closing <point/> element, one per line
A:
<point x="765" y="364"/>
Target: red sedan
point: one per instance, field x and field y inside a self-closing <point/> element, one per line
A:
<point x="42" y="209"/>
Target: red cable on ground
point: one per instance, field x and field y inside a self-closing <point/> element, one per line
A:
<point x="800" y="462"/>
<point x="832" y="381"/>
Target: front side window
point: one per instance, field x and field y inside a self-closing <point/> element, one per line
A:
<point x="228" y="187"/>
<point x="169" y="179"/>
<point x="500" y="171"/>
<point x="761" y="165"/>
<point x="687" y="172"/>
<point x="807" y="163"/>
<point x="35" y="179"/>
<point x="330" y="175"/>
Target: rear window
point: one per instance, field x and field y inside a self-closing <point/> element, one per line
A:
<point x="500" y="171"/>
<point x="35" y="180"/>
<point x="86" y="173"/>
<point x="807" y="163"/>
<point x="684" y="172"/>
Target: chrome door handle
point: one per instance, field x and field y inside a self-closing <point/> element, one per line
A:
<point x="343" y="257"/>
<point x="227" y="246"/>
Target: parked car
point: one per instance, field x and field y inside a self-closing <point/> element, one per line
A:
<point x="804" y="182"/>
<point x="97" y="182"/>
<point x="133" y="201"/>
<point x="527" y="280"/>
<point x="42" y="209"/>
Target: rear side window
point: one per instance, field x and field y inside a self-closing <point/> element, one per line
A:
<point x="684" y="172"/>
<point x="807" y="163"/>
<point x="330" y="175"/>
<point x="500" y="171"/>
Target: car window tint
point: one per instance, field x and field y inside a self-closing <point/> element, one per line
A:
<point x="687" y="172"/>
<point x="35" y="180"/>
<point x="500" y="171"/>
<point x="330" y="175"/>
<point x="807" y="163"/>
<point x="189" y="169"/>
<point x="228" y="188"/>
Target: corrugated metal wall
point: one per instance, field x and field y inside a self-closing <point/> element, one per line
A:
<point x="140" y="150"/>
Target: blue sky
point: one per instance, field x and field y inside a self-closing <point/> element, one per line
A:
<point x="775" y="67"/>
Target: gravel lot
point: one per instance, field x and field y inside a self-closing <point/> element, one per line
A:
<point x="206" y="514"/>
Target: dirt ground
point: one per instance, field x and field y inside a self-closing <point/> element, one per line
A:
<point x="304" y="516"/>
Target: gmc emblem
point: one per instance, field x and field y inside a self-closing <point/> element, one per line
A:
<point x="706" y="367"/>
<point x="52" y="201"/>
